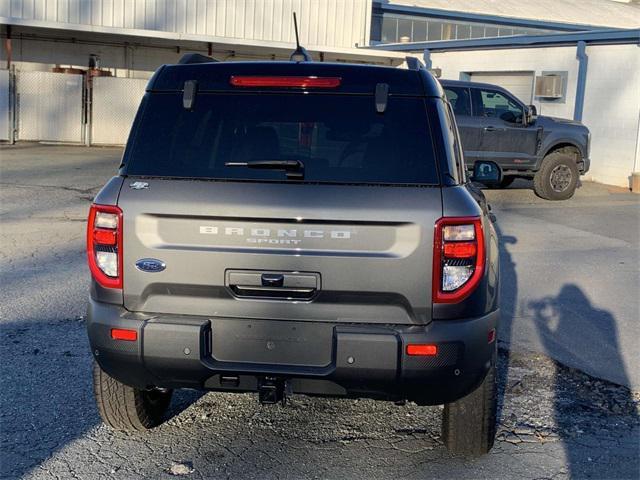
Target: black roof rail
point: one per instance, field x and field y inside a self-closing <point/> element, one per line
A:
<point x="188" y="58"/>
<point x="414" y="64"/>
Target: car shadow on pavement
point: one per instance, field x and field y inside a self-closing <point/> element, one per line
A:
<point x="508" y="304"/>
<point x="588" y="412"/>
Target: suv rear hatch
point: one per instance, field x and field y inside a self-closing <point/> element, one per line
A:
<point x="347" y="238"/>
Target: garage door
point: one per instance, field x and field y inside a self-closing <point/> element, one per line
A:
<point x="518" y="83"/>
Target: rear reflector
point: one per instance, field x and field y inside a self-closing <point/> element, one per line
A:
<point x="124" y="334"/>
<point x="292" y="82"/>
<point x="422" y="350"/>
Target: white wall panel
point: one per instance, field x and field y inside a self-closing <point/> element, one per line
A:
<point x="331" y="23"/>
<point x="115" y="103"/>
<point x="49" y="106"/>
<point x="612" y="111"/>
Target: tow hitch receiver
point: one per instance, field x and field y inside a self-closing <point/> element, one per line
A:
<point x="272" y="390"/>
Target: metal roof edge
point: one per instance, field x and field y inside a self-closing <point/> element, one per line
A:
<point x="188" y="37"/>
<point x="482" y="17"/>
<point x="607" y="36"/>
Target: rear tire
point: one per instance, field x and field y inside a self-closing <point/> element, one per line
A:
<point x="127" y="408"/>
<point x="557" y="178"/>
<point x="469" y="424"/>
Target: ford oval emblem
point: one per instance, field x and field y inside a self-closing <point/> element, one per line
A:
<point x="150" y="265"/>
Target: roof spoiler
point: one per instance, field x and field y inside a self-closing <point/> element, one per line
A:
<point x="189" y="58"/>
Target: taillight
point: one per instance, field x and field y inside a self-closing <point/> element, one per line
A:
<point x="104" y="245"/>
<point x="458" y="258"/>
<point x="285" y="81"/>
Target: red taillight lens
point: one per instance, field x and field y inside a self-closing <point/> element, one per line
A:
<point x="458" y="258"/>
<point x="422" y="350"/>
<point x="124" y="334"/>
<point x="284" y="81"/>
<point x="459" y="249"/>
<point x="105" y="237"/>
<point x="104" y="245"/>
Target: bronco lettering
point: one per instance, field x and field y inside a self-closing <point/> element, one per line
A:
<point x="279" y="233"/>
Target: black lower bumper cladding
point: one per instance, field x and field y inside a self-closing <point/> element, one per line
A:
<point x="315" y="358"/>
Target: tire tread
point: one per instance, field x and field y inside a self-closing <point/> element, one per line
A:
<point x="469" y="424"/>
<point x="122" y="407"/>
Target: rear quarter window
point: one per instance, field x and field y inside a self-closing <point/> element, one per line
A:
<point x="339" y="138"/>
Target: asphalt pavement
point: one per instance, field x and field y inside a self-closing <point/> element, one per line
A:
<point x="569" y="350"/>
<point x="571" y="277"/>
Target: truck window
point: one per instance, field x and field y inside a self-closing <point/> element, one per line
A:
<point x="494" y="104"/>
<point x="460" y="100"/>
<point x="339" y="138"/>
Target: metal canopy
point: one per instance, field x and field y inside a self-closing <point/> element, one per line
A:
<point x="608" y="36"/>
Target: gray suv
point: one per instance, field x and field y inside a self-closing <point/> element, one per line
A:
<point x="295" y="227"/>
<point x="495" y="125"/>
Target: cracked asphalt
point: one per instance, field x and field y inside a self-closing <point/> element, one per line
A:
<point x="561" y="415"/>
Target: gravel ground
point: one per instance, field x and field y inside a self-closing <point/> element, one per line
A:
<point x="555" y="421"/>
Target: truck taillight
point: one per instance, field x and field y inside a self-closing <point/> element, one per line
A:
<point x="104" y="245"/>
<point x="458" y="258"/>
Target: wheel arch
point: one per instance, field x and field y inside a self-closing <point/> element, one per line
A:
<point x="565" y="146"/>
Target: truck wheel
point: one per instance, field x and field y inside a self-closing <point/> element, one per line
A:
<point x="127" y="408"/>
<point x="557" y="178"/>
<point x="469" y="424"/>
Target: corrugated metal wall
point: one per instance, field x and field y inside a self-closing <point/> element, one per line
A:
<point x="336" y="23"/>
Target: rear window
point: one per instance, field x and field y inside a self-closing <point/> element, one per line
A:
<point x="338" y="138"/>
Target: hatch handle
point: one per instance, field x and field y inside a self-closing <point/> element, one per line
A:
<point x="272" y="280"/>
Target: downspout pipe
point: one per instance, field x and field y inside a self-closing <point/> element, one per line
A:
<point x="427" y="59"/>
<point x="583" y="62"/>
<point x="8" y="47"/>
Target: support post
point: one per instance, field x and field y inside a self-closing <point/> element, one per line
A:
<point x="427" y="59"/>
<point x="583" y="61"/>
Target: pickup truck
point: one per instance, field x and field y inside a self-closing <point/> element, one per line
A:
<point x="494" y="125"/>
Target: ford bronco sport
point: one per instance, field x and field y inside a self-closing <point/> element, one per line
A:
<point x="495" y="125"/>
<point x="295" y="227"/>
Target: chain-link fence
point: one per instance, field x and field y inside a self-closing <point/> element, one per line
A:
<point x="114" y="106"/>
<point x="50" y="106"/>
<point x="5" y="106"/>
<point x="64" y="107"/>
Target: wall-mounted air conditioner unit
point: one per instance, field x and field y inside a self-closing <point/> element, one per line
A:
<point x="549" y="86"/>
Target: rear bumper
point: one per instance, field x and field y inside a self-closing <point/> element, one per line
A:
<point x="315" y="358"/>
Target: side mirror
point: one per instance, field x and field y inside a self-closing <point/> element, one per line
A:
<point x="487" y="173"/>
<point x="532" y="112"/>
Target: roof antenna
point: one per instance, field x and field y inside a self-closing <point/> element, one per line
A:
<point x="300" y="54"/>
